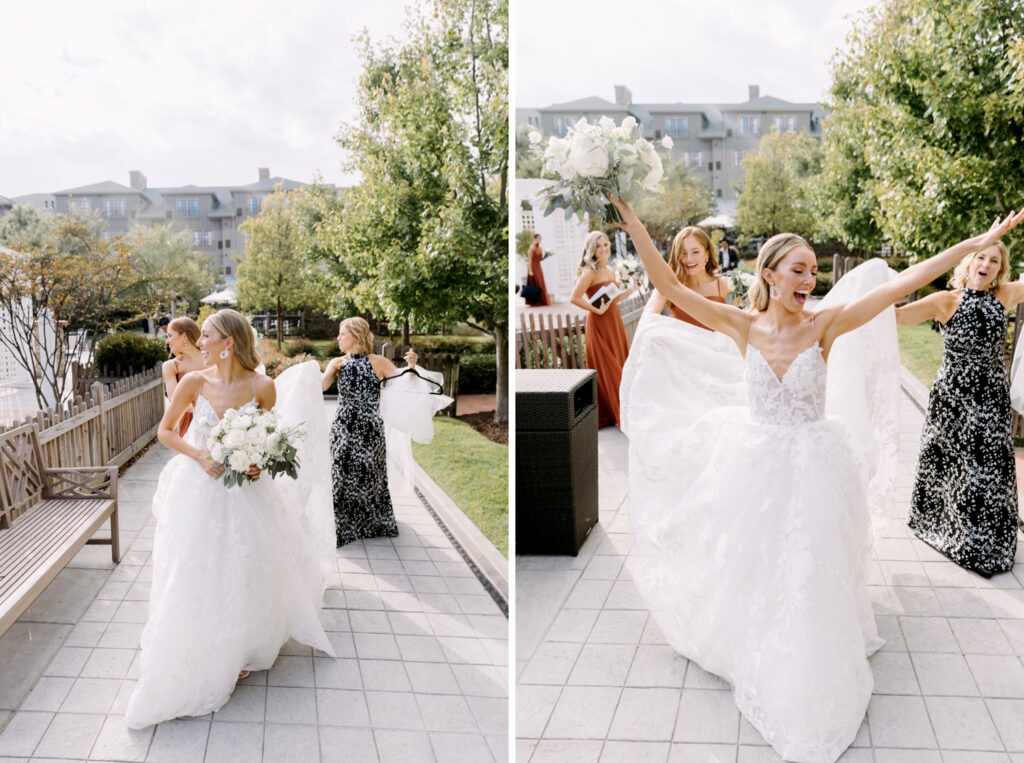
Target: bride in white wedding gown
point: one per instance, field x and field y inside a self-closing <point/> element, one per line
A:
<point x="749" y="504"/>
<point x="236" y="571"/>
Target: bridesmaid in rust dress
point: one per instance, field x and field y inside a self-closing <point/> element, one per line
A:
<point x="182" y="336"/>
<point x="695" y="265"/>
<point x="535" y="273"/>
<point x="607" y="345"/>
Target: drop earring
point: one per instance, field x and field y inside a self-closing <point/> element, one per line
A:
<point x="774" y="291"/>
<point x="225" y="353"/>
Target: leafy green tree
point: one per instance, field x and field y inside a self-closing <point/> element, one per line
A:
<point x="171" y="269"/>
<point x="527" y="164"/>
<point x="681" y="200"/>
<point x="24" y="225"/>
<point x="923" y="145"/>
<point x="776" y="193"/>
<point x="275" y="273"/>
<point x="424" y="236"/>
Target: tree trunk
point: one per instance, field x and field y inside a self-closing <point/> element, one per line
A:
<point x="405" y="333"/>
<point x="501" y="388"/>
<point x="280" y="325"/>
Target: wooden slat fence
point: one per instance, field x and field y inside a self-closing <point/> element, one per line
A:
<point x="558" y="340"/>
<point x="106" y="427"/>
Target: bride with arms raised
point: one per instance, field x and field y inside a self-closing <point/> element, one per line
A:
<point x="237" y="571"/>
<point x="751" y="550"/>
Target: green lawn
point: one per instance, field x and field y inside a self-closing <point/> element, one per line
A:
<point x="921" y="351"/>
<point x="473" y="471"/>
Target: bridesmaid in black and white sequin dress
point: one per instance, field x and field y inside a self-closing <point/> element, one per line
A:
<point x="965" y="495"/>
<point x="362" y="503"/>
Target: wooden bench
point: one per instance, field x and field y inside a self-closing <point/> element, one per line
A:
<point x="46" y="516"/>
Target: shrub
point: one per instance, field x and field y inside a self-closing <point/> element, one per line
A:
<point x="459" y="345"/>
<point x="128" y="350"/>
<point x="300" y="347"/>
<point x="477" y="374"/>
<point x="822" y="284"/>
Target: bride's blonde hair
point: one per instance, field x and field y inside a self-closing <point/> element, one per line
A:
<point x="959" y="278"/>
<point x="770" y="255"/>
<point x="231" y="323"/>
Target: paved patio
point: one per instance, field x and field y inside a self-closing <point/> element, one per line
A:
<point x="596" y="680"/>
<point x="421" y="672"/>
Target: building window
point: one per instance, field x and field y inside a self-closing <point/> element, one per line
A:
<point x="677" y="126"/>
<point x="227" y="243"/>
<point x="188" y="208"/>
<point x="560" y="125"/>
<point x="84" y="205"/>
<point x="698" y="158"/>
<point x="750" y="125"/>
<point x="227" y="270"/>
<point x="114" y="207"/>
<point x="737" y="158"/>
<point x="254" y="205"/>
<point x="197" y="238"/>
<point x="208" y="238"/>
<point x="687" y="159"/>
<point x="790" y="124"/>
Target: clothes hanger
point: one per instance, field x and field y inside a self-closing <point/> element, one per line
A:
<point x="412" y="370"/>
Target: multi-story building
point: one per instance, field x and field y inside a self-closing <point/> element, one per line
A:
<point x="211" y="215"/>
<point x="710" y="138"/>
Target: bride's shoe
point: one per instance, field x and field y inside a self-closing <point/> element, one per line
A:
<point x="243" y="674"/>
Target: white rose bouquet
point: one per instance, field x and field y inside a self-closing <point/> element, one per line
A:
<point x="627" y="268"/>
<point x="251" y="436"/>
<point x="593" y="162"/>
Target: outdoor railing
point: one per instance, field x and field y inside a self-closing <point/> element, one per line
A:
<point x="107" y="427"/>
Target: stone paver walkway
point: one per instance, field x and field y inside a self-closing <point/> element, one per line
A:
<point x="596" y="680"/>
<point x="421" y="671"/>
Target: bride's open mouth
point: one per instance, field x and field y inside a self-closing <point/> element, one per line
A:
<point x="800" y="297"/>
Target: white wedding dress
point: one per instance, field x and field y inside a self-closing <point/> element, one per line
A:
<point x="750" y="508"/>
<point x="236" y="571"/>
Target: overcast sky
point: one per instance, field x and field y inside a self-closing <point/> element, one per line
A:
<point x="677" y="50"/>
<point x="189" y="91"/>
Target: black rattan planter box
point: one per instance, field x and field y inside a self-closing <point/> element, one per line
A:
<point x="556" y="460"/>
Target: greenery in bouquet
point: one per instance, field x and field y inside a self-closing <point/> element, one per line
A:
<point x="249" y="436"/>
<point x="628" y="268"/>
<point x="595" y="161"/>
<point x="741" y="280"/>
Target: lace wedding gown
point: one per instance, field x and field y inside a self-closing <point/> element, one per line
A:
<point x="750" y="510"/>
<point x="236" y="571"/>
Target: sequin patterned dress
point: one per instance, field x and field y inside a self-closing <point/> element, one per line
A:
<point x="965" y="494"/>
<point x="362" y="503"/>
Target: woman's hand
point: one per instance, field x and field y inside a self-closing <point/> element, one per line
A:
<point x="211" y="467"/>
<point x="604" y="308"/>
<point x="254" y="471"/>
<point x="411" y="357"/>
<point x="999" y="228"/>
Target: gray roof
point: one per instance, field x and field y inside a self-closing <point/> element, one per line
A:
<point x="593" y="103"/>
<point x="106" y="187"/>
<point x="269" y="183"/>
<point x="5" y="202"/>
<point x="768" y="103"/>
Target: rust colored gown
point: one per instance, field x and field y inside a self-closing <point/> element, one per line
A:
<point x="680" y="314"/>
<point x="536" y="254"/>
<point x="607" y="348"/>
<point x="186" y="417"/>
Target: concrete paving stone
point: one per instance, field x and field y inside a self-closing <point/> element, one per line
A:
<point x="978" y="636"/>
<point x="124" y="695"/>
<point x="656" y="666"/>
<point x="1004" y="603"/>
<point x="461" y="748"/>
<point x="440" y="602"/>
<point x="974" y="756"/>
<point x="645" y="715"/>
<point x="179" y="741"/>
<point x="101" y="610"/>
<point x="893" y="673"/>
<point x="118" y="742"/>
<point x="749" y="735"/>
<point x="1008" y="716"/>
<point x="449" y="624"/>
<point x="417" y="567"/>
<point x="583" y="712"/>
<point x="381" y="552"/>
<point x="624" y="595"/>
<point x="963" y="602"/>
<point x="369" y="621"/>
<point x="114" y="589"/>
<point x="481" y="604"/>
<point x="332" y="673"/>
<point x="889" y="755"/>
<point x="342" y="707"/>
<point x="698" y="678"/>
<point x="481" y="680"/>
<point x="411" y="623"/>
<point x="230" y="742"/>
<point x="702" y="753"/>
<point x="749" y="754"/>
<point x="941" y="674"/>
<point x="390" y="583"/>
<point x="70" y="735"/>
<point x="889" y="630"/>
<point x="567" y="751"/>
<point x="463" y="584"/>
<point x="343" y="643"/>
<point x="67" y="596"/>
<point x="428" y="584"/>
<point x="420" y="648"/>
<point x="384" y="675"/>
<point x="998" y="675"/>
<point x="48" y="694"/>
<point x="602" y="665"/>
<point x="394" y="710"/>
<point x="652" y="634"/>
<point x="900" y="721"/>
<point x="904" y="573"/>
<point x="376" y="646"/>
<point x="896" y="549"/>
<point x="572" y="625"/>
<point x="403" y="746"/>
<point x="928" y="634"/>
<point x="551" y="663"/>
<point x="491" y="715"/>
<point x="634" y="752"/>
<point x="120" y="635"/>
<point x="589" y="594"/>
<point x="915" y="600"/>
<point x="91" y="695"/>
<point x="25" y="651"/>
<point x="962" y="723"/>
<point x="618" y="627"/>
<point x="446" y="713"/>
<point x="85" y="634"/>
<point x="139" y="591"/>
<point x="108" y="663"/>
<point x="248" y="704"/>
<point x="335" y="620"/>
<point x="432" y="677"/>
<point x="23" y="732"/>
<point x="291" y="671"/>
<point x="125" y="573"/>
<point x="335" y="598"/>
<point x="945" y="573"/>
<point x="1014" y="631"/>
<point x="707" y="716"/>
<point x="345" y="745"/>
<point x="603" y="567"/>
<point x="291" y="705"/>
<point x="291" y="743"/>
<point x="464" y="650"/>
